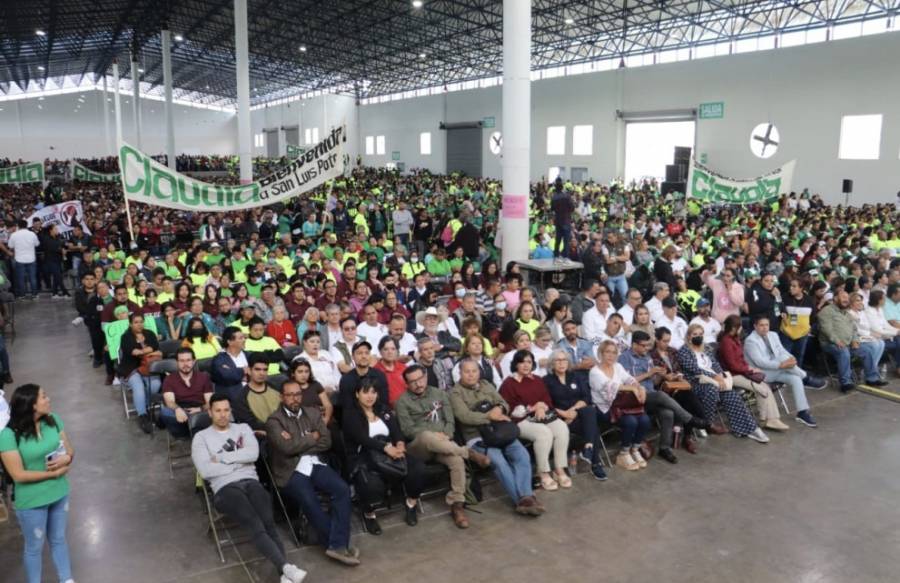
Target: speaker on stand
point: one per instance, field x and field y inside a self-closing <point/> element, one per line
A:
<point x="847" y="189"/>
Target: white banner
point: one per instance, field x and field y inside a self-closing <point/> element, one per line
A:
<point x="65" y="215"/>
<point x="710" y="187"/>
<point x="23" y="173"/>
<point x="146" y="180"/>
<point x="85" y="174"/>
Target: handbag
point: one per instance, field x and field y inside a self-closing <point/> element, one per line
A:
<point x="675" y="386"/>
<point x="146" y="360"/>
<point x="496" y="433"/>
<point x="756" y="377"/>
<point x="386" y="465"/>
<point x="549" y="417"/>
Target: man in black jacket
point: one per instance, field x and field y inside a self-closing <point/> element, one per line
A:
<point x="89" y="306"/>
<point x="562" y="206"/>
<point x="468" y="237"/>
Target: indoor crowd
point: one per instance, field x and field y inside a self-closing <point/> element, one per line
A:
<point x="350" y="343"/>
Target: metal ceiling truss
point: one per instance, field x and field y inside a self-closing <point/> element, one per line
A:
<point x="376" y="46"/>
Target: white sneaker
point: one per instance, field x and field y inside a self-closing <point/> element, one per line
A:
<point x="625" y="461"/>
<point x="638" y="458"/>
<point x="292" y="573"/>
<point x="77" y="321"/>
<point x="702" y="434"/>
<point x="759" y="435"/>
<point x="116" y="382"/>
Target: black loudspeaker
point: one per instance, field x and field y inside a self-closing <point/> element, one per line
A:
<point x="847" y="186"/>
<point x="682" y="155"/>
<point x="676" y="172"/>
<point x="673" y="173"/>
<point x="667" y="187"/>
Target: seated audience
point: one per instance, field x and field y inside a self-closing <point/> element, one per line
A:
<point x="533" y="411"/>
<point x="426" y="419"/>
<point x="225" y="454"/>
<point x="186" y="396"/>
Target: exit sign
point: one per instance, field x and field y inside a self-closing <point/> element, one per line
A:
<point x="712" y="110"/>
<point x="395" y="155"/>
<point x="489" y="122"/>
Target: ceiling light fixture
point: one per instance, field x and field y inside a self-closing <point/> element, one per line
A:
<point x="40" y="32"/>
<point x="179" y="38"/>
<point x="140" y="70"/>
<point x="41" y="68"/>
<point x="422" y="55"/>
<point x="569" y="20"/>
<point x="302" y="48"/>
<point x="417" y="3"/>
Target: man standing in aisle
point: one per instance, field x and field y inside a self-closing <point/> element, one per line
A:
<point x="562" y="206"/>
<point x="23" y="244"/>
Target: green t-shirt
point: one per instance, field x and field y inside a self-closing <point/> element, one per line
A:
<point x="115" y="275"/>
<point x="34" y="458"/>
<point x="214" y="259"/>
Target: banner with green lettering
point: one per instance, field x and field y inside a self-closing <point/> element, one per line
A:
<point x="710" y="187"/>
<point x="84" y="174"/>
<point x="29" y="172"/>
<point x="146" y="180"/>
<point x="295" y="151"/>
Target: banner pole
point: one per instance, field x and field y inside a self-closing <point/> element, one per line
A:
<point x="119" y="141"/>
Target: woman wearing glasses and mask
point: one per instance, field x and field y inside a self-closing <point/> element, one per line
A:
<point x="713" y="387"/>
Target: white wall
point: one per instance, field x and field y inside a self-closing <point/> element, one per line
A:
<point x="803" y="90"/>
<point x="56" y="130"/>
<point x="323" y="112"/>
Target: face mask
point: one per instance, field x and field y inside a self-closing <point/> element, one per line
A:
<point x="414" y="259"/>
<point x="697" y="340"/>
<point x="460" y="293"/>
<point x="501" y="305"/>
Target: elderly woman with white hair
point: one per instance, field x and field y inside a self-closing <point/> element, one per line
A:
<point x="571" y="396"/>
<point x="521" y="341"/>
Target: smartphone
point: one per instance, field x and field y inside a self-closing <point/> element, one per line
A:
<point x="60" y="450"/>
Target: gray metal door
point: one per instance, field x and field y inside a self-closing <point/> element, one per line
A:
<point x="292" y="136"/>
<point x="579" y="174"/>
<point x="464" y="151"/>
<point x="272" y="143"/>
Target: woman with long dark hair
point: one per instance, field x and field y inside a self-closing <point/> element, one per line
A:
<point x="37" y="454"/>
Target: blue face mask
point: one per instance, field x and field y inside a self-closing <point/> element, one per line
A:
<point x="460" y="293"/>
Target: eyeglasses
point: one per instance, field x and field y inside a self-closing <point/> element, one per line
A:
<point x="349" y="328"/>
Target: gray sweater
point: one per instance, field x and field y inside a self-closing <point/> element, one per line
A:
<point x="235" y="450"/>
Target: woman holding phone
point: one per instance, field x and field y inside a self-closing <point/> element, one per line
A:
<point x="37" y="454"/>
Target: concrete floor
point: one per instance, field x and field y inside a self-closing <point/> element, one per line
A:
<point x="812" y="506"/>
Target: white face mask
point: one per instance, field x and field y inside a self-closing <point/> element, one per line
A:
<point x="460" y="293"/>
<point x="414" y="259"/>
<point x="501" y="305"/>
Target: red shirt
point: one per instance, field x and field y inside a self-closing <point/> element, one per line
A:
<point x="192" y="395"/>
<point x="731" y="355"/>
<point x="527" y="392"/>
<point x="395" y="380"/>
<point x="282" y="332"/>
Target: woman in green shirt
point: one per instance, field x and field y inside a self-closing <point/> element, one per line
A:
<point x="37" y="454"/>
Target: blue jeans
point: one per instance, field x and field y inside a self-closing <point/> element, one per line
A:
<point x="634" y="428"/>
<point x="867" y="351"/>
<point x="797" y="347"/>
<point x="139" y="392"/>
<point x="617" y="284"/>
<point x="26" y="271"/>
<point x="35" y="523"/>
<point x="892" y="347"/>
<point x="563" y="234"/>
<point x="512" y="466"/>
<point x="333" y="531"/>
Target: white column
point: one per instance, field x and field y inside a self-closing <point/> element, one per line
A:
<point x="242" y="56"/>
<point x="167" y="85"/>
<point x="118" y="104"/>
<point x="108" y="148"/>
<point x="516" y="129"/>
<point x="136" y="83"/>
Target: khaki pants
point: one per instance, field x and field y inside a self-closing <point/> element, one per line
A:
<point x="428" y="446"/>
<point x="547" y="436"/>
<point x="765" y="400"/>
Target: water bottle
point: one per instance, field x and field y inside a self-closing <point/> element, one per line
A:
<point x="573" y="463"/>
<point x="676" y="441"/>
<point x="884" y="371"/>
